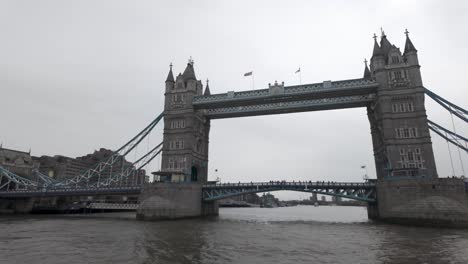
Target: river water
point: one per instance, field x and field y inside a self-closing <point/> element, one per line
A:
<point x="302" y="234"/>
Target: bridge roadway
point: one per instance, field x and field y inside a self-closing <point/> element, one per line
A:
<point x="362" y="191"/>
<point x="127" y="190"/>
<point x="357" y="191"/>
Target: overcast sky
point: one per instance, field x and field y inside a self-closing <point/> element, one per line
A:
<point x="79" y="75"/>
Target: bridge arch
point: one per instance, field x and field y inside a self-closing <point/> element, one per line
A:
<point x="355" y="191"/>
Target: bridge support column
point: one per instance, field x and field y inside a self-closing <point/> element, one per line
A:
<point x="23" y="206"/>
<point x="433" y="201"/>
<point x="373" y="211"/>
<point x="210" y="208"/>
<point x="166" y="200"/>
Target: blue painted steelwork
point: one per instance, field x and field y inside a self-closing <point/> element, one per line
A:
<point x="10" y="180"/>
<point x="298" y="90"/>
<point x="278" y="99"/>
<point x="352" y="190"/>
<point x="450" y="136"/>
<point x="84" y="178"/>
<point x="43" y="179"/>
<point x="126" y="190"/>
<point x="291" y="106"/>
<point x="452" y="108"/>
<point x="356" y="191"/>
<point x="131" y="170"/>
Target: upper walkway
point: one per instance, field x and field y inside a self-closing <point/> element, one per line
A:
<point x="278" y="99"/>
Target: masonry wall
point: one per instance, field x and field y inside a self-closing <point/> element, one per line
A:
<point x="165" y="200"/>
<point x="17" y="206"/>
<point x="423" y="201"/>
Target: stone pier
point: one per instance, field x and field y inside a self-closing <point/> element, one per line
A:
<point x="16" y="206"/>
<point x="437" y="201"/>
<point x="166" y="200"/>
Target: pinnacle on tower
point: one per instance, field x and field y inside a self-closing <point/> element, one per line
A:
<point x="409" y="45"/>
<point x="207" y="89"/>
<point x="385" y="45"/>
<point x="377" y="50"/>
<point x="170" y="76"/>
<point x="189" y="73"/>
<point x="367" y="73"/>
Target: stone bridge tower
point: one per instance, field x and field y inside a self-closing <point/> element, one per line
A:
<point x="400" y="134"/>
<point x="408" y="188"/>
<point x="186" y="132"/>
<point x="184" y="163"/>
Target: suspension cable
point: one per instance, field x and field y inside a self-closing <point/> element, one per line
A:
<point x="458" y="146"/>
<point x="439" y="130"/>
<point x="450" y="154"/>
<point x="453" y="108"/>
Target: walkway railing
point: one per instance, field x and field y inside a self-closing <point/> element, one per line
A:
<point x="362" y="191"/>
<point x="294" y="183"/>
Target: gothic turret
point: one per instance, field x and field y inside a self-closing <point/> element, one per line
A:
<point x="367" y="73"/>
<point x="377" y="51"/>
<point x="207" y="89"/>
<point x="409" y="45"/>
<point x="170" y="79"/>
<point x="377" y="59"/>
<point x="410" y="52"/>
<point x="170" y="76"/>
<point x="189" y="73"/>
<point x="385" y="45"/>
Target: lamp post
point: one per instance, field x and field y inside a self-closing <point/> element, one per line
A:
<point x="218" y="179"/>
<point x="366" y="175"/>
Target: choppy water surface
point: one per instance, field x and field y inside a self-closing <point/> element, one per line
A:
<point x="303" y="234"/>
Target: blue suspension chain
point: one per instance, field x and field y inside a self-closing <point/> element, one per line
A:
<point x="450" y="154"/>
<point x="459" y="154"/>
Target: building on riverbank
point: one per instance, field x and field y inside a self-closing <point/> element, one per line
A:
<point x="60" y="167"/>
<point x="18" y="162"/>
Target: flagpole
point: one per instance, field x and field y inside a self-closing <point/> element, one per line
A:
<point x="253" y="81"/>
<point x="300" y="74"/>
<point x="251" y="74"/>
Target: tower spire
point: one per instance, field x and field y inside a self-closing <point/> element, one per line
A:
<point x="367" y="73"/>
<point x="385" y="45"/>
<point x="189" y="72"/>
<point x="207" y="89"/>
<point x="377" y="51"/>
<point x="170" y="76"/>
<point x="409" y="45"/>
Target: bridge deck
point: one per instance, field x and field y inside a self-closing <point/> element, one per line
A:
<point x="364" y="191"/>
<point x="351" y="190"/>
<point x="71" y="192"/>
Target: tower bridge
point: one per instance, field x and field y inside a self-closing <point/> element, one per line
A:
<point x="408" y="187"/>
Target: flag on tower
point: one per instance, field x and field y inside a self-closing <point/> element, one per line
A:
<point x="298" y="70"/>
<point x="248" y="73"/>
<point x="363" y="166"/>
